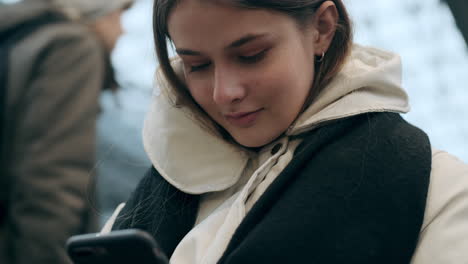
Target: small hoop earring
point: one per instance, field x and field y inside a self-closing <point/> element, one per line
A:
<point x="320" y="59"/>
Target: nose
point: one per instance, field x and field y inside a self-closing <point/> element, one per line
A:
<point x="227" y="86"/>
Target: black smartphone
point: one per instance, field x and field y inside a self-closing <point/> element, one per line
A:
<point x="117" y="247"/>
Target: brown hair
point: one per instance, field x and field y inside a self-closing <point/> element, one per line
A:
<point x="300" y="10"/>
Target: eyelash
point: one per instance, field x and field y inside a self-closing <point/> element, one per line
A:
<point x="245" y="59"/>
<point x="255" y="58"/>
<point x="199" y="67"/>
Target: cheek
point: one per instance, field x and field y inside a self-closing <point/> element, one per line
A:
<point x="282" y="83"/>
<point x="201" y="93"/>
<point x="298" y="77"/>
<point x="287" y="92"/>
<point x="270" y="80"/>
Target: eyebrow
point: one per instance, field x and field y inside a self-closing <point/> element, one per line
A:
<point x="238" y="43"/>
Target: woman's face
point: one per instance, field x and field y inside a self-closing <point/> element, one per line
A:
<point x="250" y="70"/>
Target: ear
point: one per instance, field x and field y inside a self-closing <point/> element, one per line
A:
<point x="325" y="22"/>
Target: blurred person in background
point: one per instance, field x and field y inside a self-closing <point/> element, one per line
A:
<point x="54" y="64"/>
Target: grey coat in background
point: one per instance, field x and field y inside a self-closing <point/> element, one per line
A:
<point x="54" y="80"/>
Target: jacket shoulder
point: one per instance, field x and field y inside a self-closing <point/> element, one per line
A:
<point x="62" y="51"/>
<point x="445" y="228"/>
<point x="383" y="137"/>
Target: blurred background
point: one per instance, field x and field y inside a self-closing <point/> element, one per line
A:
<point x="424" y="32"/>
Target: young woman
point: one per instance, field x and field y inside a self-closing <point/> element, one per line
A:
<point x="277" y="140"/>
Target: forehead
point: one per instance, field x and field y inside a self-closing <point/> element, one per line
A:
<point x="197" y="22"/>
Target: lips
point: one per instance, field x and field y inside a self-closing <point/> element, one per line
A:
<point x="243" y="119"/>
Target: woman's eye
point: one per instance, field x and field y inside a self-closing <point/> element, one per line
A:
<point x="199" y="67"/>
<point x="254" y="58"/>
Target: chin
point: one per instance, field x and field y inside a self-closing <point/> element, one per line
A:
<point x="254" y="142"/>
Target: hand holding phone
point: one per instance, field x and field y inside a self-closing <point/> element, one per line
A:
<point x="117" y="247"/>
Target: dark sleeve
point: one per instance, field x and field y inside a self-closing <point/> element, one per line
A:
<point x="136" y="213"/>
<point x="159" y="209"/>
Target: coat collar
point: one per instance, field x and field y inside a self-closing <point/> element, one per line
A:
<point x="196" y="161"/>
